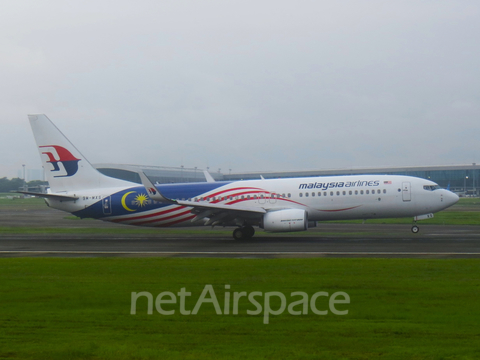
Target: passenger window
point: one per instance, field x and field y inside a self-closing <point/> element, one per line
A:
<point x="361" y="192"/>
<point x="306" y="194"/>
<point x="331" y="193"/>
<point x="248" y="197"/>
<point x="313" y="194"/>
<point x="367" y="192"/>
<point x="324" y="193"/>
<point x="384" y="191"/>
<point x="243" y="197"/>
<point x="350" y="192"/>
<point x="344" y="193"/>
<point x="301" y="194"/>
<point x="356" y="192"/>
<point x="338" y="193"/>
<point x="289" y="195"/>
<point x="319" y="193"/>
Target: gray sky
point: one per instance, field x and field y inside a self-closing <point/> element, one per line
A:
<point x="247" y="85"/>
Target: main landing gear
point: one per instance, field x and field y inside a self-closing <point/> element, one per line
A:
<point x="244" y="232"/>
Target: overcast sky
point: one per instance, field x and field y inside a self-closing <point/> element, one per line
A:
<point x="246" y="85"/>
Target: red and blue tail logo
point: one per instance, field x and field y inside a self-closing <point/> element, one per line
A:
<point x="63" y="156"/>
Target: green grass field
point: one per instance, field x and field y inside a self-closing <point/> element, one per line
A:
<point x="80" y="309"/>
<point x="14" y="201"/>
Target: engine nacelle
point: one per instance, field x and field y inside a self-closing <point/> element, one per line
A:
<point x="285" y="220"/>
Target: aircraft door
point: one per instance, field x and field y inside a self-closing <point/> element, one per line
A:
<point x="272" y="199"/>
<point x="107" y="205"/>
<point x="406" y="191"/>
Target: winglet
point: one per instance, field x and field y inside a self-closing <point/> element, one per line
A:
<point x="152" y="190"/>
<point x="208" y="177"/>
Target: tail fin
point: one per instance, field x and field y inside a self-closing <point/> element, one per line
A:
<point x="65" y="167"/>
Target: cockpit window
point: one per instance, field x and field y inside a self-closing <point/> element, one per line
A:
<point x="431" y="187"/>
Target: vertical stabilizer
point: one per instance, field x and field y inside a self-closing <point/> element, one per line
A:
<point x="66" y="169"/>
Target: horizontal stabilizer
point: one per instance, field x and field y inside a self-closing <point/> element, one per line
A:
<point x="49" y="196"/>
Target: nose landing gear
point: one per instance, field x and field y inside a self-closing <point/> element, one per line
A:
<point x="415" y="228"/>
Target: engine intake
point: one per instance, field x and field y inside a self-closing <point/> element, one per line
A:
<point x="285" y="220"/>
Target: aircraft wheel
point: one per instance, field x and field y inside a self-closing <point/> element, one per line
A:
<point x="415" y="229"/>
<point x="238" y="234"/>
<point x="249" y="231"/>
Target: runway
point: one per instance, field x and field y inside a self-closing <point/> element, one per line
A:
<point x="442" y="242"/>
<point x="326" y="240"/>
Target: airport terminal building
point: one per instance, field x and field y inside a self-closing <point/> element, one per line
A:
<point x="462" y="179"/>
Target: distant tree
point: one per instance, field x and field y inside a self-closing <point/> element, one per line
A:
<point x="4" y="184"/>
<point x="37" y="183"/>
<point x="9" y="185"/>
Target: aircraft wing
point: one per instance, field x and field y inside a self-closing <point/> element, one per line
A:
<point x="49" y="196"/>
<point x="216" y="213"/>
<point x="221" y="207"/>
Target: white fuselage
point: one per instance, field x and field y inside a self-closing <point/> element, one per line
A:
<point x="324" y="198"/>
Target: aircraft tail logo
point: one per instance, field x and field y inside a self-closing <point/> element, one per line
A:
<point x="63" y="156"/>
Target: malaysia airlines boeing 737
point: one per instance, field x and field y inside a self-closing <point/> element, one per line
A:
<point x="276" y="205"/>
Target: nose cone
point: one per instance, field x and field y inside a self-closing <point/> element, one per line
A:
<point x="450" y="198"/>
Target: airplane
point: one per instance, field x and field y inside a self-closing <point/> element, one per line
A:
<point x="276" y="205"/>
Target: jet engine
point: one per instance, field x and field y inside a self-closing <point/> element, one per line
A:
<point x="285" y="220"/>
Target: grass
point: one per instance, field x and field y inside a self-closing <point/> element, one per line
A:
<point x="80" y="309"/>
<point x="445" y="217"/>
<point x="13" y="201"/>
